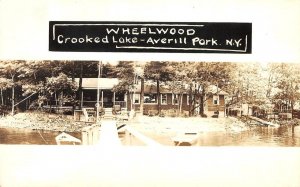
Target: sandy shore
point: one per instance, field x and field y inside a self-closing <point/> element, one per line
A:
<point x="163" y="130"/>
<point x="192" y="124"/>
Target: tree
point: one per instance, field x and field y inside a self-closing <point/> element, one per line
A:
<point x="287" y="84"/>
<point x="139" y="74"/>
<point x="33" y="77"/>
<point x="183" y="76"/>
<point x="124" y="71"/>
<point x="80" y="91"/>
<point x="62" y="88"/>
<point x="12" y="70"/>
<point x="4" y="85"/>
<point x="217" y="74"/>
<point x="249" y="85"/>
<point x="158" y="72"/>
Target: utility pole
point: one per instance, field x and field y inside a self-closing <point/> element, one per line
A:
<point x="98" y="91"/>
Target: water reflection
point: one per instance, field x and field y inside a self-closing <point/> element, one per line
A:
<point x="27" y="136"/>
<point x="256" y="136"/>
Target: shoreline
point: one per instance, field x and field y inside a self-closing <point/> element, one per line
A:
<point x="41" y="121"/>
<point x="193" y="123"/>
<point x="62" y="123"/>
<point x="166" y="130"/>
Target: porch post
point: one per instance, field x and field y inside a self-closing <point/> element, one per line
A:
<point x="102" y="99"/>
<point x="81" y="101"/>
<point x="125" y="99"/>
<point x="114" y="98"/>
<point x="98" y="91"/>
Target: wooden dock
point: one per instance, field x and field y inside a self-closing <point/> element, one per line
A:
<point x="109" y="134"/>
<point x="263" y="122"/>
<point x="146" y="140"/>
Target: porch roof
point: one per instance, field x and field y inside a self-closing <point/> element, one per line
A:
<point x="92" y="83"/>
<point x="152" y="89"/>
<point x="166" y="89"/>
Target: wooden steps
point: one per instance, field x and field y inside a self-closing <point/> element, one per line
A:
<point x="108" y="114"/>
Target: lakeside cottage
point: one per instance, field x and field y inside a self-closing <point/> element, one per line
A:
<point x="170" y="101"/>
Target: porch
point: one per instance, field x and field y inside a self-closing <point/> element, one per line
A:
<point x="107" y="99"/>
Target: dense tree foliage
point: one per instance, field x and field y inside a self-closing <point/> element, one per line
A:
<point x="43" y="81"/>
<point x="284" y="89"/>
<point x="158" y="72"/>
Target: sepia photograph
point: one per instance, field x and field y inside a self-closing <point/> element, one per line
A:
<point x="149" y="93"/>
<point x="133" y="103"/>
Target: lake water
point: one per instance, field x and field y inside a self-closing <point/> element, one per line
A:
<point x="284" y="136"/>
<point x="27" y="136"/>
<point x="257" y="136"/>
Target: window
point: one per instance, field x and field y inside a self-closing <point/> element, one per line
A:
<point x="175" y="99"/>
<point x="188" y="99"/>
<point x="216" y="100"/>
<point x="150" y="98"/>
<point x="164" y="99"/>
<point x="136" y="98"/>
<point x="119" y="97"/>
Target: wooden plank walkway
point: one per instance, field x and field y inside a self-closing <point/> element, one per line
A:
<point x="146" y="140"/>
<point x="109" y="134"/>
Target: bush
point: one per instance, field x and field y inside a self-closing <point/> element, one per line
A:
<point x="68" y="112"/>
<point x="162" y="114"/>
<point x="4" y="110"/>
<point x="294" y="122"/>
<point x="215" y="116"/>
<point x="152" y="113"/>
<point x="203" y="115"/>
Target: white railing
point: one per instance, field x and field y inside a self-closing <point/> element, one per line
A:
<point x="147" y="141"/>
<point x="121" y="103"/>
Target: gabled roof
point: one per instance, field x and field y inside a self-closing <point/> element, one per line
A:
<point x="216" y="90"/>
<point x="109" y="83"/>
<point x="152" y="89"/>
<point x="165" y="89"/>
